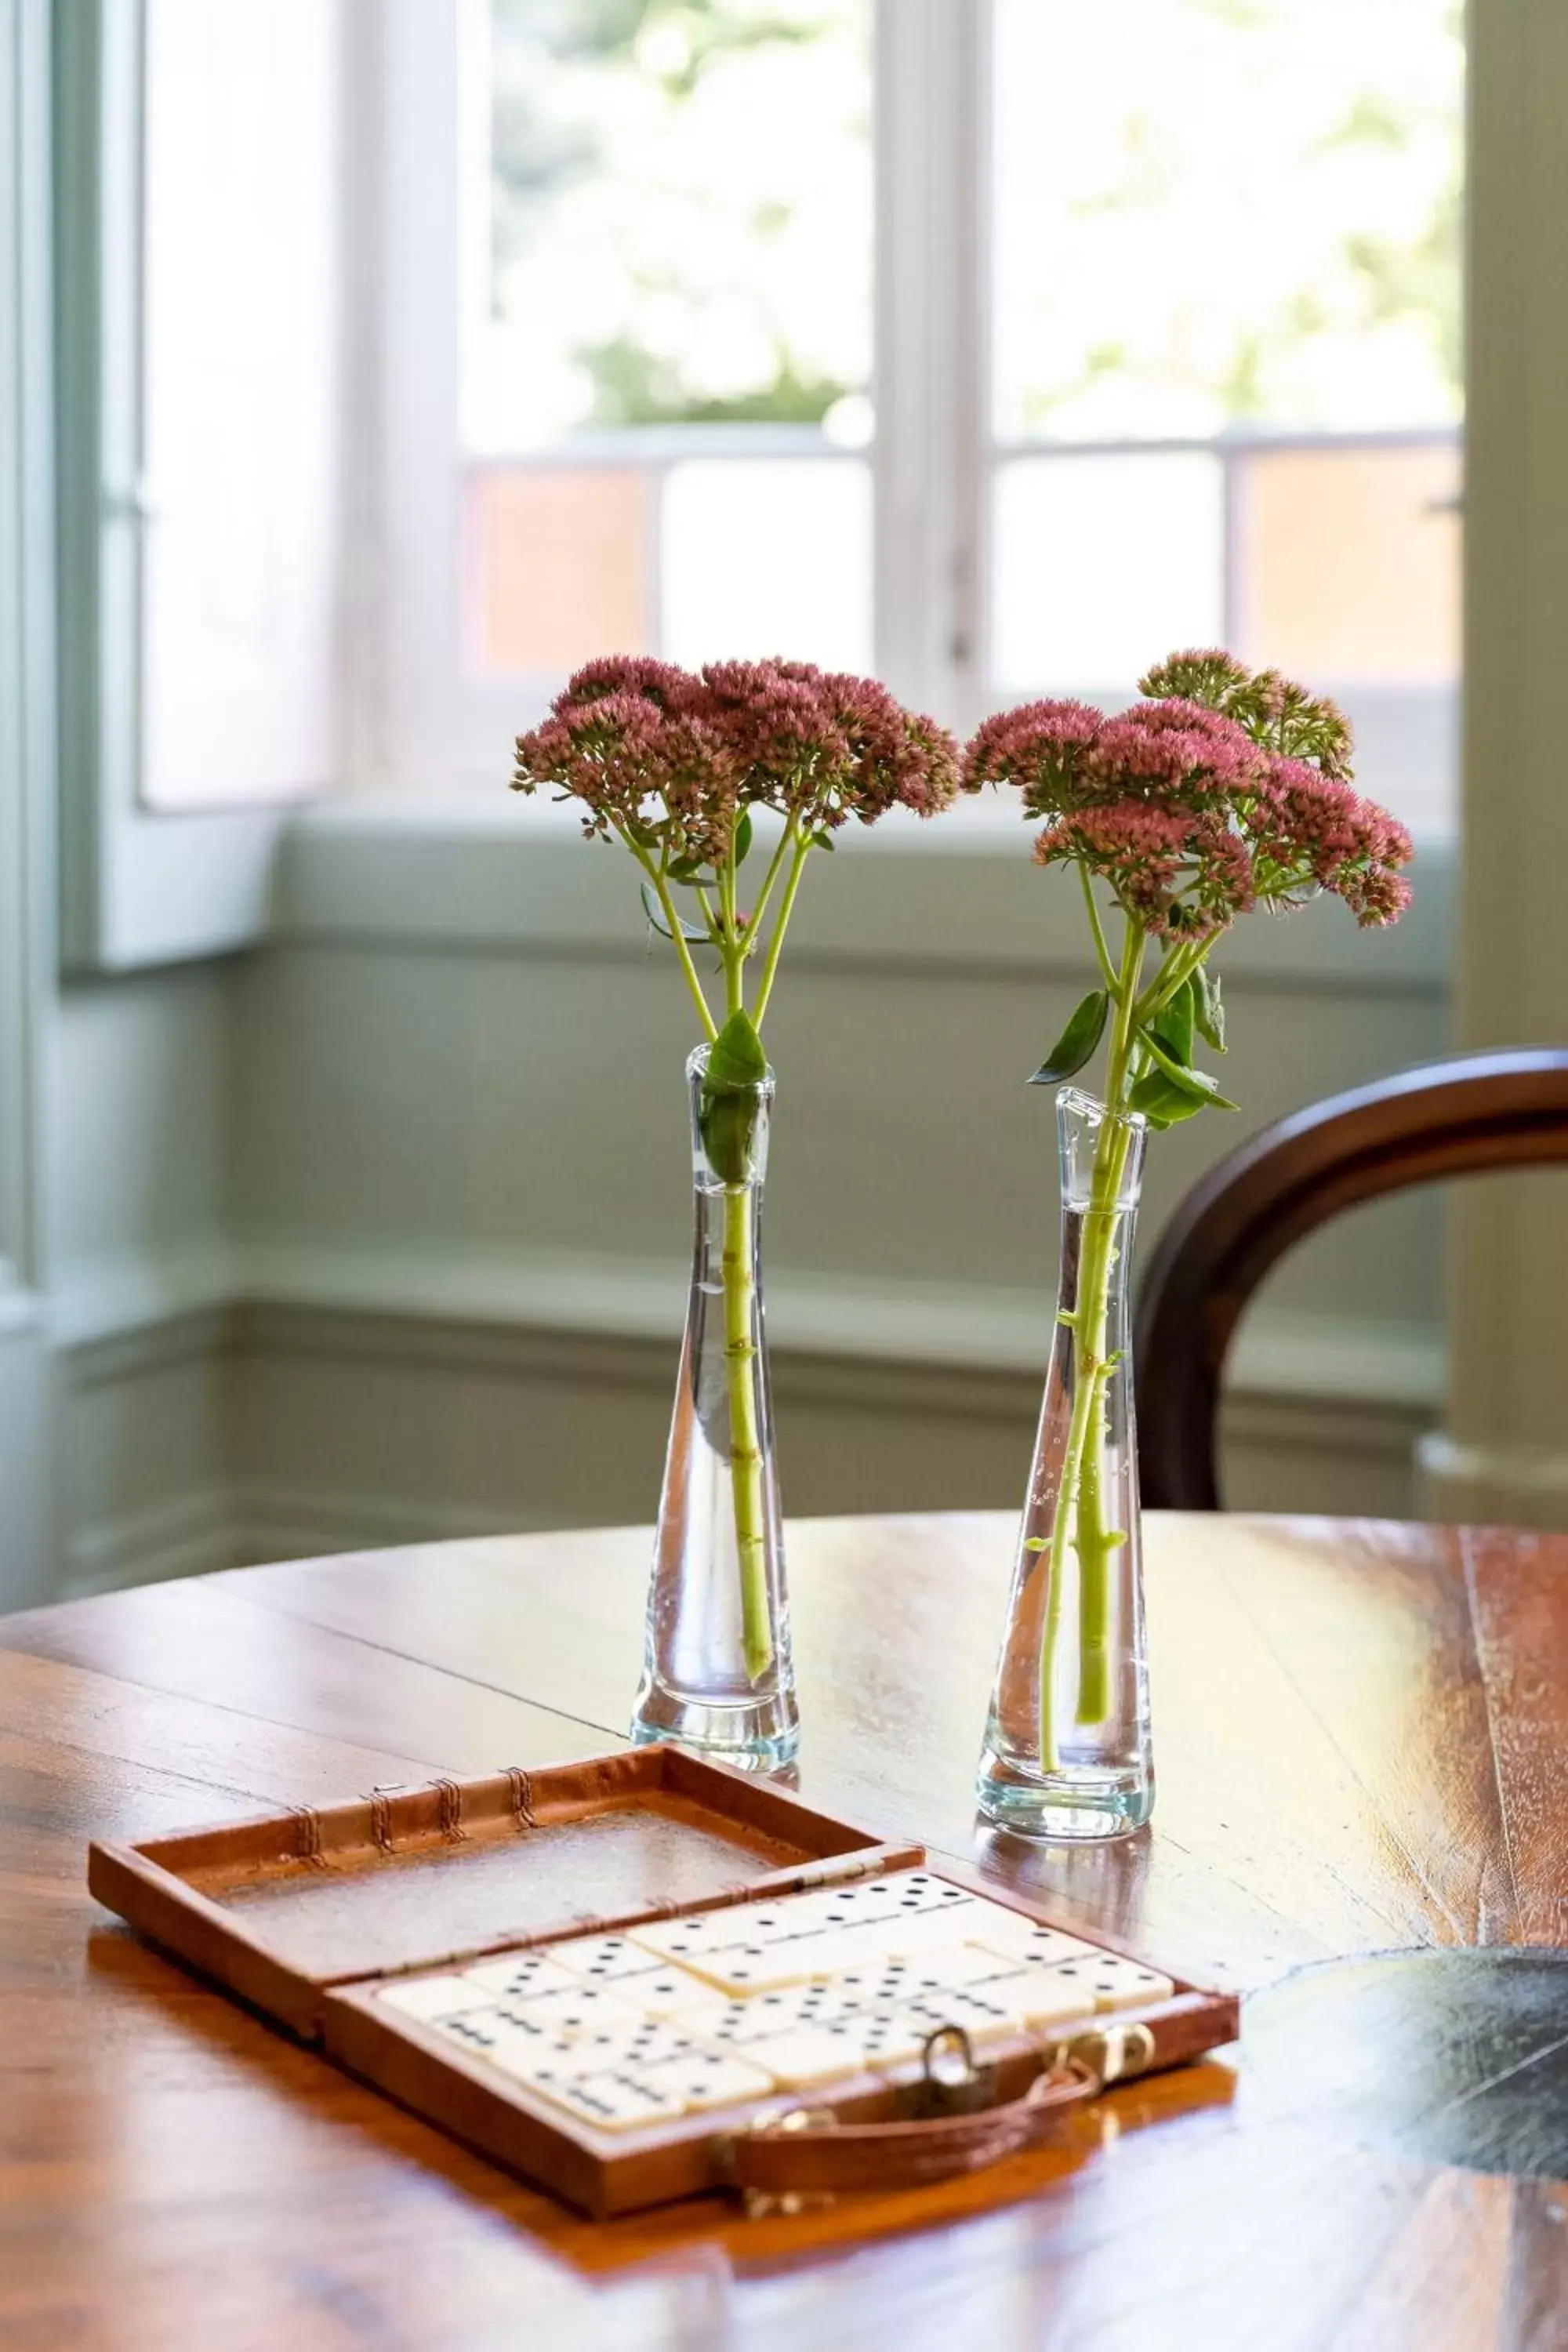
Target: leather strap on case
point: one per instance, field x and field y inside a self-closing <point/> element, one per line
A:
<point x="804" y="2156"/>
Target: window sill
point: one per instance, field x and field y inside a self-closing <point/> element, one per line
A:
<point x="496" y="876"/>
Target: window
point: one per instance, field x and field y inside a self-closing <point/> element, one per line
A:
<point x="1226" y="351"/>
<point x="668" y="365"/>
<point x="235" y="494"/>
<point x="998" y="344"/>
<point x="198" y="364"/>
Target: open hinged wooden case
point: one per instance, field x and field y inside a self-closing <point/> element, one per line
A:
<point x="645" y="1976"/>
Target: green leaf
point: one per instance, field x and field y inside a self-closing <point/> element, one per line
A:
<point x="685" y="870"/>
<point x="736" y="1057"/>
<point x="729" y="1127"/>
<point x="1204" y="1089"/>
<point x="1077" y="1041"/>
<point x="824" y="839"/>
<point x="1207" y="1009"/>
<point x="1173" y="1024"/>
<point x="743" y="837"/>
<point x="656" y="916"/>
<point x="1161" y="1103"/>
<point x="736" y="1067"/>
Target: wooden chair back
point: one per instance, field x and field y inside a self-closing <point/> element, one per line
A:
<point x="1462" y="1117"/>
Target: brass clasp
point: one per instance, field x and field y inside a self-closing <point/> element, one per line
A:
<point x="1108" y="2052"/>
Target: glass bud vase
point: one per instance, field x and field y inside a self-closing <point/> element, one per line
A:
<point x="1068" y="1751"/>
<point x="717" y="1672"/>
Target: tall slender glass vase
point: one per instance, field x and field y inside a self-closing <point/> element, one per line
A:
<point x="717" y="1671"/>
<point x="1067" y="1752"/>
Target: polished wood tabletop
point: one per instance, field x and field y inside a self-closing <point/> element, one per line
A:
<point x="1361" y="1731"/>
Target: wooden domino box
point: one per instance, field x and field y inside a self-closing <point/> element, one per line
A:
<point x="612" y="1977"/>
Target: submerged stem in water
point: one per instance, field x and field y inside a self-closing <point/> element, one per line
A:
<point x="1080" y="1517"/>
<point x="745" y="1432"/>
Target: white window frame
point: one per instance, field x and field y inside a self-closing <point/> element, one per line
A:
<point x="140" y="885"/>
<point x="933" y="461"/>
<point x="440" y="728"/>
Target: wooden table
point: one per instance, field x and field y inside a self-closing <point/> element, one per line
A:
<point x="1362" y="1743"/>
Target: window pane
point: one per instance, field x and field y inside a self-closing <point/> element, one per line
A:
<point x="675" y="267"/>
<point x="1100" y="564"/>
<point x="239" y="304"/>
<point x="1348" y="562"/>
<point x="1235" y="224"/>
<point x="768" y="556"/>
<point x="561" y="563"/>
<point x="679" y="217"/>
<point x="1210" y="211"/>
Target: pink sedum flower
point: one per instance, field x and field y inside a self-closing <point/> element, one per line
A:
<point x="1066" y="756"/>
<point x="1276" y="712"/>
<point x="642" y="743"/>
<point x="1222" y="790"/>
<point x="1040" y="747"/>
<point x="1177" y="752"/>
<point x="630" y="760"/>
<point x="659" y="682"/>
<point x="1310" y="830"/>
<point x="1184" y="876"/>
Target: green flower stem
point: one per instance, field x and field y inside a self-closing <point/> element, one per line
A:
<point x="709" y="917"/>
<point x="740" y="1291"/>
<point x="1079" y="1518"/>
<point x="734" y="947"/>
<point x="770" y="963"/>
<point x="1096" y="1543"/>
<point x="745" y="1433"/>
<point x="740" y="1304"/>
<point x="782" y="848"/>
<point x="1108" y="970"/>
<point x="1056" y="1564"/>
<point x="1175" y="969"/>
<point x="729" y="947"/>
<point x="661" y="890"/>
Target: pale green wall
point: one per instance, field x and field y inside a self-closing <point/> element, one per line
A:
<point x="378" y="1232"/>
<point x="1505" y="1453"/>
<point x="26" y="1494"/>
<point x="285" y="1224"/>
<point x="140" y="1088"/>
<point x="421" y="1100"/>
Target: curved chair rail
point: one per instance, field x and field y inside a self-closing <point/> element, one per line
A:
<point x="1462" y="1117"/>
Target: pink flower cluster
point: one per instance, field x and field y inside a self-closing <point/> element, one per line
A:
<point x="1273" y="708"/>
<point x="1312" y="829"/>
<point x="660" y="753"/>
<point x="1183" y="876"/>
<point x="620" y="747"/>
<point x="1222" y="790"/>
<point x="1066" y="755"/>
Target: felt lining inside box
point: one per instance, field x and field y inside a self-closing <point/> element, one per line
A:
<point x="403" y="1878"/>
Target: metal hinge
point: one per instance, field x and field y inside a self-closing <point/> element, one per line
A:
<point x="1109" y="2053"/>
